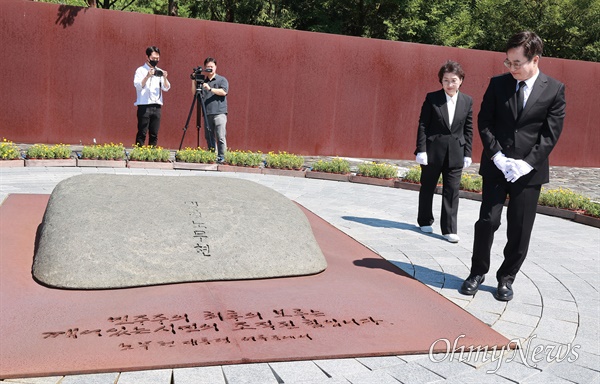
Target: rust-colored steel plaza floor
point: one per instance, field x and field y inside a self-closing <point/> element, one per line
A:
<point x="361" y="305"/>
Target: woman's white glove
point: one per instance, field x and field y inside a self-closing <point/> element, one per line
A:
<point x="467" y="162"/>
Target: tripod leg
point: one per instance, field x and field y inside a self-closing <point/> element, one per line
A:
<point x="187" y="122"/>
<point x="209" y="134"/>
<point x="198" y="115"/>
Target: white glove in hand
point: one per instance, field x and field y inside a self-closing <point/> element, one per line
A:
<point x="422" y="158"/>
<point x="501" y="162"/>
<point x="517" y="169"/>
<point x="467" y="162"/>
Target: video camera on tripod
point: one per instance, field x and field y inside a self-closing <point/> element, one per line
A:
<point x="198" y="76"/>
<point x="198" y="101"/>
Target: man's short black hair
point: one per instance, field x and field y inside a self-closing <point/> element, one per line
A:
<point x="210" y="60"/>
<point x="451" y="67"/>
<point x="531" y="43"/>
<point x="151" y="49"/>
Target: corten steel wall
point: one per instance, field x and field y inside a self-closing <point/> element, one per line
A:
<point x="67" y="76"/>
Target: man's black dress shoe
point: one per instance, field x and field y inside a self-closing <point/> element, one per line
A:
<point x="504" y="292"/>
<point x="471" y="285"/>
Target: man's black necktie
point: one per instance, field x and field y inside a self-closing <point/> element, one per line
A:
<point x="520" y="98"/>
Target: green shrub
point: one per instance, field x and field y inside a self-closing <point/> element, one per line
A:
<point x="61" y="151"/>
<point x="335" y="165"/>
<point x="592" y="209"/>
<point x="42" y="151"/>
<point x="558" y="198"/>
<point x="243" y="158"/>
<point x="413" y="175"/>
<point x="196" y="155"/>
<point x="471" y="182"/>
<point x="563" y="198"/>
<point x="468" y="181"/>
<point x="90" y="152"/>
<point x="9" y="150"/>
<point x="567" y="199"/>
<point x="103" y="152"/>
<point x="284" y="160"/>
<point x="378" y="170"/>
<point x="149" y="153"/>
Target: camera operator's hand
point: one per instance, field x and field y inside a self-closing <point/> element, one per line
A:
<point x="165" y="74"/>
<point x="206" y="87"/>
<point x="148" y="76"/>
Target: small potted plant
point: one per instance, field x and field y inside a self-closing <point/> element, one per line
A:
<point x="335" y="169"/>
<point x="371" y="172"/>
<point x="196" y="158"/>
<point x="106" y="155"/>
<point x="10" y="155"/>
<point x="565" y="203"/>
<point x="242" y="161"/>
<point x="470" y="186"/>
<point x="411" y="180"/>
<point x="42" y="155"/>
<point x="284" y="164"/>
<point x="148" y="156"/>
<point x="591" y="214"/>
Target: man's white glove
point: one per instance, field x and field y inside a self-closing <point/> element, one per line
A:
<point x="467" y="162"/>
<point x="501" y="162"/>
<point x="422" y="158"/>
<point x="516" y="169"/>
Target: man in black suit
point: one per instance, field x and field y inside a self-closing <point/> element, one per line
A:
<point x="444" y="139"/>
<point x="520" y="121"/>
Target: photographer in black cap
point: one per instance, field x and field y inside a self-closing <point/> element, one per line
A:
<point x="214" y="94"/>
<point x="149" y="82"/>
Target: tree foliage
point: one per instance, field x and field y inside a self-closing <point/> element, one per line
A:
<point x="570" y="28"/>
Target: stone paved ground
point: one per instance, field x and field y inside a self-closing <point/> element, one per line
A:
<point x="556" y="304"/>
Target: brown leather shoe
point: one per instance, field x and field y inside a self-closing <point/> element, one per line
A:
<point x="504" y="291"/>
<point x="471" y="285"/>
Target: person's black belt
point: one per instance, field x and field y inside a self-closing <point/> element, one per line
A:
<point x="150" y="105"/>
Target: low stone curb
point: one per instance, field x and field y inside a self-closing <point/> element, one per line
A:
<point x="328" y="176"/>
<point x="406" y="185"/>
<point x="541" y="209"/>
<point x="468" y="195"/>
<point x="51" y="162"/>
<point x="236" y="168"/>
<point x="101" y="163"/>
<point x="150" y="164"/>
<point x="372" y="181"/>
<point x="195" y="166"/>
<point x="587" y="220"/>
<point x="556" y="212"/>
<point x="284" y="172"/>
<point x="12" y="163"/>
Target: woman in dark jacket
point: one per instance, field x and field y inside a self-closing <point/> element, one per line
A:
<point x="444" y="141"/>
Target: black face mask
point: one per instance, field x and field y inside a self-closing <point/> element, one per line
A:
<point x="153" y="63"/>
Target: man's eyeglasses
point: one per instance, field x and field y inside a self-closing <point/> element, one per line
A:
<point x="516" y="65"/>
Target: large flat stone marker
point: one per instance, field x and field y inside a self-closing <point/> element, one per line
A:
<point x="117" y="231"/>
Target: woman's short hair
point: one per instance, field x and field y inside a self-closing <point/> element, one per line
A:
<point x="451" y="67"/>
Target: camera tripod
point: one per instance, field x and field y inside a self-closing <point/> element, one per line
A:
<point x="200" y="111"/>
